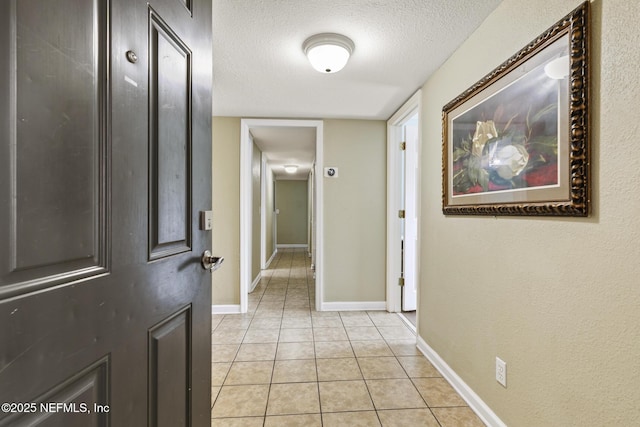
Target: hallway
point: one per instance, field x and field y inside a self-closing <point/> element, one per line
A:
<point x="284" y="364"/>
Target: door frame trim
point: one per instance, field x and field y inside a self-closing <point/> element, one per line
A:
<point x="246" y="203"/>
<point x="263" y="211"/>
<point x="394" y="137"/>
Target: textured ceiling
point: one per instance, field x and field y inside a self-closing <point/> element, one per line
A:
<point x="259" y="69"/>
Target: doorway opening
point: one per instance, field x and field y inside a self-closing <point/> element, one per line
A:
<point x="281" y="144"/>
<point x="403" y="195"/>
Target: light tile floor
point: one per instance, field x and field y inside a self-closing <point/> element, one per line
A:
<point x="285" y="364"/>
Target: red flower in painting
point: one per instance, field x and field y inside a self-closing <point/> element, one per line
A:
<point x="543" y="175"/>
<point x="475" y="189"/>
<point x="497" y="187"/>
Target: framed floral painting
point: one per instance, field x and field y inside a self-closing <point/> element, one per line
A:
<point x="516" y="143"/>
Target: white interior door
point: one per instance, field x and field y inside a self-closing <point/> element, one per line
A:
<point x="410" y="228"/>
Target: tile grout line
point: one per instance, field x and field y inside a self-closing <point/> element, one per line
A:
<point x="275" y="355"/>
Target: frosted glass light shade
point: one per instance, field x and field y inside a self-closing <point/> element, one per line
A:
<point x="328" y="52"/>
<point x="290" y="168"/>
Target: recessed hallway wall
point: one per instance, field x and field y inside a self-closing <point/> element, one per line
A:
<point x="292" y="218"/>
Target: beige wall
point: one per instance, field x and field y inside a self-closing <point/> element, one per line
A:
<point x="354" y="211"/>
<point x="291" y="202"/>
<point x="557" y="299"/>
<point x="226" y="209"/>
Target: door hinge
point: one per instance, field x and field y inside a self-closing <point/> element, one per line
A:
<point x="401" y="213"/>
<point x="403" y="146"/>
<point x="401" y="281"/>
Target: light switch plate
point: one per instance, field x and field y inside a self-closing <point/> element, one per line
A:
<point x="501" y="371"/>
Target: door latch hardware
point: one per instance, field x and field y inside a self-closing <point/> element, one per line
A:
<point x="210" y="262"/>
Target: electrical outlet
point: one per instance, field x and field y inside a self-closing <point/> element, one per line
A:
<point x="501" y="372"/>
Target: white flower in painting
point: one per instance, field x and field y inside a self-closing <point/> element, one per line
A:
<point x="508" y="160"/>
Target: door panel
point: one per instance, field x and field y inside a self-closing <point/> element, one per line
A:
<point x="57" y="205"/>
<point x="104" y="164"/>
<point x="169" y="370"/>
<point x="85" y="393"/>
<point x="48" y="125"/>
<point x="170" y="138"/>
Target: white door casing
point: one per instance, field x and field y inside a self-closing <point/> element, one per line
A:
<point x="396" y="200"/>
<point x="246" y="202"/>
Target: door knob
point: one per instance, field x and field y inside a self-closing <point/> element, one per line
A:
<point x="210" y="262"/>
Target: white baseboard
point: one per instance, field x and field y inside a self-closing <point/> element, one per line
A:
<point x="292" y="245"/>
<point x="268" y="263"/>
<point x="255" y="282"/>
<point x="473" y="400"/>
<point x="408" y="323"/>
<point x="353" y="306"/>
<point x="225" y="309"/>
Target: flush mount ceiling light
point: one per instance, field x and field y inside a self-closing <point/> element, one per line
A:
<point x="328" y="52"/>
<point x="290" y="168"/>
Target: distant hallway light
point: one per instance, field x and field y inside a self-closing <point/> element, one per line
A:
<point x="328" y="52"/>
<point x="290" y="168"/>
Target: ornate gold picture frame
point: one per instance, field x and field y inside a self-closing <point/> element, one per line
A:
<point x="517" y="142"/>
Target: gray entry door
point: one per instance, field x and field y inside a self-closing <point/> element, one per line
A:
<point x="105" y="148"/>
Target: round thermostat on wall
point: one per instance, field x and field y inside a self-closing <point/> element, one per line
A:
<point x="331" y="172"/>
